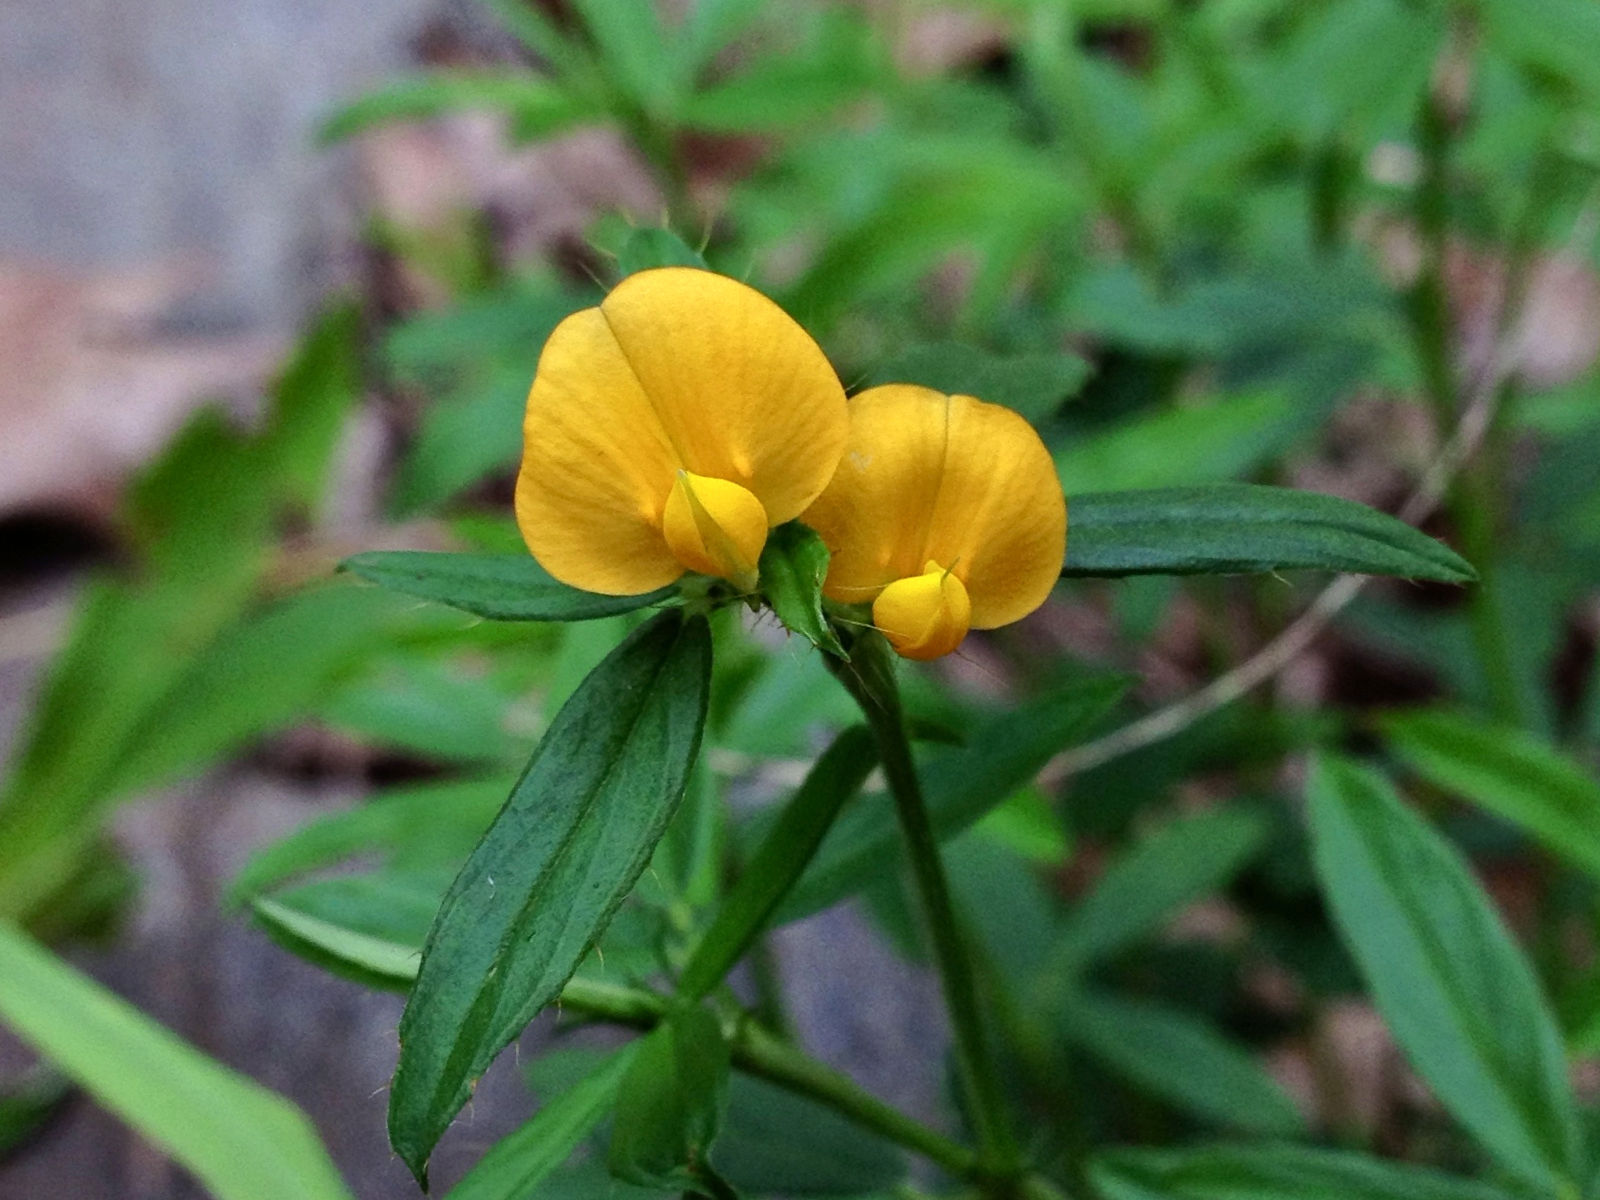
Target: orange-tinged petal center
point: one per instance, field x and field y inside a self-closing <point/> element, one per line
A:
<point x="715" y="527"/>
<point x="924" y="616"/>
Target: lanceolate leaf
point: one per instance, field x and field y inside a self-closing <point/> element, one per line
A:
<point x="539" y="889"/>
<point x="1508" y="771"/>
<point x="503" y="587"/>
<point x="240" y="1140"/>
<point x="1238" y="528"/>
<point x="522" y="1160"/>
<point x="960" y="786"/>
<point x="1455" y="990"/>
<point x="1271" y="1173"/>
<point x="784" y="854"/>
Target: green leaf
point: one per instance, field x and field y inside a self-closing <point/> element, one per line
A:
<point x="26" y="1104"/>
<point x="1271" y="1173"/>
<point x="1454" y="988"/>
<point x="1245" y="528"/>
<point x="470" y="432"/>
<point x="794" y="563"/>
<point x="431" y="709"/>
<point x="521" y="1161"/>
<point x="774" y="1141"/>
<point x="671" y="1103"/>
<point x="787" y="849"/>
<point x="374" y="961"/>
<point x="502" y="587"/>
<point x="960" y="786"/>
<point x="540" y="888"/>
<point x="239" y="1140"/>
<point x="1209" y="443"/>
<point x="537" y="105"/>
<point x="1508" y="771"/>
<point x="1184" y="861"/>
<point x="1034" y="385"/>
<point x="1181" y="1059"/>
<point x="319" y="387"/>
<point x="646" y="249"/>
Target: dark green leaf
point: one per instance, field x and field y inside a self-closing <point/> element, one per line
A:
<point x="1457" y="993"/>
<point x="537" y="105"/>
<point x="671" y="1103"/>
<point x="960" y="786"/>
<point x="522" y="1160"/>
<point x="27" y="1103"/>
<point x="239" y="1140"/>
<point x="1184" y="861"/>
<point x="794" y="563"/>
<point x="1033" y="384"/>
<point x="539" y="889"/>
<point x="1509" y="772"/>
<point x="776" y="1142"/>
<point x="1272" y="1173"/>
<point x="1243" y="528"/>
<point x="502" y="587"/>
<point x="788" y="847"/>
<point x="1179" y="1058"/>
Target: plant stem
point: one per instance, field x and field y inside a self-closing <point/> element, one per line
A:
<point x="869" y="678"/>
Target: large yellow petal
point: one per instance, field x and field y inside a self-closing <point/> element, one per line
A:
<point x="947" y="479"/>
<point x="597" y="466"/>
<point x="740" y="390"/>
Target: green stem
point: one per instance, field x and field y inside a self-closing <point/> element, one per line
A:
<point x="869" y="678"/>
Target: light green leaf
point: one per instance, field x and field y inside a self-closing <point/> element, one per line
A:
<point x="1245" y="528"/>
<point x="1508" y="771"/>
<point x="537" y="105"/>
<point x="1272" y="1173"/>
<point x="671" y="1103"/>
<point x="1454" y="988"/>
<point x="785" y="851"/>
<point x="960" y="786"/>
<point x="502" y="587"/>
<point x="240" y="1140"/>
<point x="1181" y="1059"/>
<point x="521" y="1161"/>
<point x="794" y="563"/>
<point x="541" y="887"/>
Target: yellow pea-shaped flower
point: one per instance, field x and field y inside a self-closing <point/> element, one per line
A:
<point x="945" y="513"/>
<point x="668" y="429"/>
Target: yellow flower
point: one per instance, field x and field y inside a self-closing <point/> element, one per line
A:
<point x="668" y="429"/>
<point x="945" y="512"/>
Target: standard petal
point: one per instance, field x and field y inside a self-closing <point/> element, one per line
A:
<point x="597" y="466"/>
<point x="740" y="390"/>
<point x="949" y="479"/>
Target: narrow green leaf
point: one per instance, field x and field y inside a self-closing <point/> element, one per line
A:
<point x="1456" y="991"/>
<point x="1242" y="528"/>
<point x="671" y="1103"/>
<point x="1034" y="385"/>
<point x="1508" y="771"/>
<point x="783" y="855"/>
<point x="960" y="786"/>
<point x="794" y="563"/>
<point x="1271" y="1173"/>
<point x="1181" y="1059"/>
<point x="537" y="105"/>
<point x="374" y="961"/>
<point x="573" y="838"/>
<point x="240" y="1140"/>
<point x="1182" y="862"/>
<point x="502" y="587"/>
<point x="775" y="1142"/>
<point x="522" y="1160"/>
